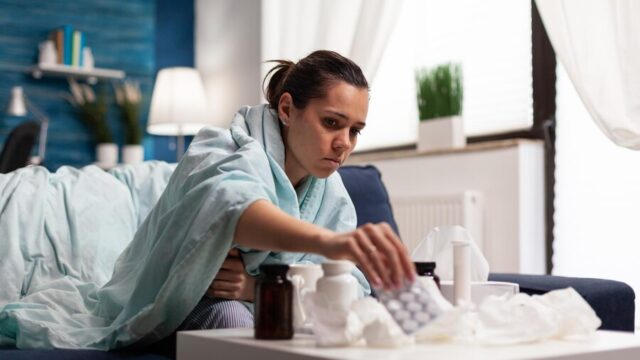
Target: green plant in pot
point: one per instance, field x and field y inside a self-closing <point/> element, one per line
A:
<point x="128" y="98"/>
<point x="93" y="113"/>
<point x="440" y="95"/>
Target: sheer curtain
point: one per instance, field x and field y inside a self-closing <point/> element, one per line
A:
<point x="357" y="29"/>
<point x="597" y="199"/>
<point x="597" y="42"/>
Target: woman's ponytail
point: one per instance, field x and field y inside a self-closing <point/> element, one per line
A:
<point x="276" y="83"/>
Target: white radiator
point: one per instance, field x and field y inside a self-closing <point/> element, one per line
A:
<point x="417" y="215"/>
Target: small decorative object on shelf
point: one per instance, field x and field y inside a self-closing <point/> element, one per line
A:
<point x="67" y="54"/>
<point x="440" y="94"/>
<point x="128" y="97"/>
<point x="93" y="113"/>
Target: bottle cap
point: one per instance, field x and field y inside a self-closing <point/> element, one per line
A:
<point x="274" y="269"/>
<point x="425" y="267"/>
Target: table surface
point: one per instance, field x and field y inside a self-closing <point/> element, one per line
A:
<point x="240" y="344"/>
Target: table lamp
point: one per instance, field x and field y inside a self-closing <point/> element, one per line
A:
<point x="178" y="105"/>
<point x="19" y="104"/>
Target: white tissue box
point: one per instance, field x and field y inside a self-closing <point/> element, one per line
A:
<point x="480" y="290"/>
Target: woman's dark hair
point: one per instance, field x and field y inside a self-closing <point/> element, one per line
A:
<point x="310" y="77"/>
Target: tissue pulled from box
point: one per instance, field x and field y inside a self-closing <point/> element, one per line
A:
<point x="438" y="247"/>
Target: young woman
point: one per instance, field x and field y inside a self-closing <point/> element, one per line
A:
<point x="264" y="191"/>
<point x="319" y="107"/>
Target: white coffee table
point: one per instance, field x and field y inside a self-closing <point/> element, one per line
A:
<point x="240" y="344"/>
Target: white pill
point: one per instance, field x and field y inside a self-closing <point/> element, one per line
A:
<point x="422" y="317"/>
<point x="409" y="326"/>
<point x="407" y="296"/>
<point x="414" y="307"/>
<point x="401" y="315"/>
<point x="394" y="305"/>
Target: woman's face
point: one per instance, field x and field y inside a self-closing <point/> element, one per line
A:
<point x="321" y="136"/>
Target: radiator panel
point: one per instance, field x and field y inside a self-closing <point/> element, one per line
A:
<point x="416" y="216"/>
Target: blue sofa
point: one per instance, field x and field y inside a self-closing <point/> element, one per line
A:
<point x="613" y="301"/>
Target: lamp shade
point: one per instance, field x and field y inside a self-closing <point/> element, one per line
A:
<point x="178" y="104"/>
<point x="17" y="105"/>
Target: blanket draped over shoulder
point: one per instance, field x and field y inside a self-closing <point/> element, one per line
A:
<point x="101" y="260"/>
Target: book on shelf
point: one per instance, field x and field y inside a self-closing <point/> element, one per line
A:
<point x="68" y="41"/>
<point x="69" y="44"/>
<point x="57" y="36"/>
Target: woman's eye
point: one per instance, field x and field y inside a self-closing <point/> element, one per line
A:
<point x="330" y="122"/>
<point x="355" y="132"/>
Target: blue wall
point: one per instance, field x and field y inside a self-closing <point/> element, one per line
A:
<point x="122" y="35"/>
<point x="174" y="47"/>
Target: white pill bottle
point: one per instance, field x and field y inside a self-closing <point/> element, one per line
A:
<point x="337" y="285"/>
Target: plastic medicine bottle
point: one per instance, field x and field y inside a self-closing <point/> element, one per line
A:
<point x="428" y="269"/>
<point x="274" y="303"/>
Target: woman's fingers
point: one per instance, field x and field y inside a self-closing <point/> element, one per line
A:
<point x="378" y="252"/>
<point x="405" y="260"/>
<point x="229" y="275"/>
<point x="386" y="254"/>
<point x="222" y="294"/>
<point x="375" y="253"/>
<point x="383" y="244"/>
<point x="233" y="263"/>
<point x="374" y="268"/>
<point x="224" y="285"/>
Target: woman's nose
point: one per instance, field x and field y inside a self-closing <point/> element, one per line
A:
<point x="342" y="140"/>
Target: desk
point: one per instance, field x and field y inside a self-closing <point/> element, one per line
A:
<point x="240" y="344"/>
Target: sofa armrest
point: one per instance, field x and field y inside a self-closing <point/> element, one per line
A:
<point x="613" y="301"/>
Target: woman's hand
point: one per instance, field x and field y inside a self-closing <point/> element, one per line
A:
<point x="232" y="281"/>
<point x="377" y="250"/>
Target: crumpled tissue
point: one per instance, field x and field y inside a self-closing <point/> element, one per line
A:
<point x="332" y="325"/>
<point x="380" y="330"/>
<point x="522" y="318"/>
<point x="499" y="320"/>
<point x="366" y="318"/>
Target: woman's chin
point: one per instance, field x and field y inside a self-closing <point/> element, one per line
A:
<point x="323" y="173"/>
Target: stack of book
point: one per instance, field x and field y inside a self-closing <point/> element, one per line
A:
<point x="69" y="44"/>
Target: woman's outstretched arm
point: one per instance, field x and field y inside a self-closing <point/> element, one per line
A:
<point x="374" y="247"/>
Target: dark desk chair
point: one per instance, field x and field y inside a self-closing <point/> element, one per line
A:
<point x="17" y="148"/>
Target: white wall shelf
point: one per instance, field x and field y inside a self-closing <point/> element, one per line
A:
<point x="92" y="75"/>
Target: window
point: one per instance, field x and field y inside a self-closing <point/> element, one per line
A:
<point x="492" y="41"/>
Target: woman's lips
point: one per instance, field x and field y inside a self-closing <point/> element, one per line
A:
<point x="333" y="162"/>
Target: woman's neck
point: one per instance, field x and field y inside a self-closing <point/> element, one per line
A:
<point x="292" y="167"/>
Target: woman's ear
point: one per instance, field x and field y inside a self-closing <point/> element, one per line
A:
<point x="284" y="108"/>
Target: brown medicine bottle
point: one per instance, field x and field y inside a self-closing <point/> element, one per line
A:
<point x="427" y="269"/>
<point x="274" y="303"/>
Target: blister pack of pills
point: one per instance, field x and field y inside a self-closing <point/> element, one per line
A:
<point x="414" y="305"/>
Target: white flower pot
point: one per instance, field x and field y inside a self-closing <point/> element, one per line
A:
<point x="107" y="155"/>
<point x="132" y="154"/>
<point x="441" y="133"/>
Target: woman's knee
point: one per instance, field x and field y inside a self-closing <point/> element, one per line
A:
<point x="216" y="313"/>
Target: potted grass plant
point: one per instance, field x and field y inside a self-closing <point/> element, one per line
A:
<point x="93" y="113"/>
<point x="128" y="98"/>
<point x="440" y="95"/>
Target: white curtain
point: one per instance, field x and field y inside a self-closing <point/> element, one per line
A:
<point x="357" y="29"/>
<point x="598" y="43"/>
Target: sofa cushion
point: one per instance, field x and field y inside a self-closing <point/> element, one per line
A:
<point x="369" y="196"/>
